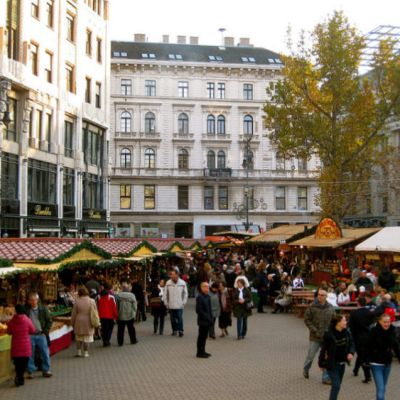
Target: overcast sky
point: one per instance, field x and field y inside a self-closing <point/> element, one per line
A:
<point x="264" y="21"/>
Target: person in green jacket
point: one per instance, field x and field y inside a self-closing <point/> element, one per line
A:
<point x="127" y="308"/>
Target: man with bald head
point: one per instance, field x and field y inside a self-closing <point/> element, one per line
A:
<point x="204" y="319"/>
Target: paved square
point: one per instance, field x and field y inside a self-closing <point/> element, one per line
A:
<point x="266" y="365"/>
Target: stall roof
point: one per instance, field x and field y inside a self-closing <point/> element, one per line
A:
<point x="348" y="236"/>
<point x="386" y="240"/>
<point x="280" y="233"/>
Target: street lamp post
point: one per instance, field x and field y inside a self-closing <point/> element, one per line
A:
<point x="247" y="164"/>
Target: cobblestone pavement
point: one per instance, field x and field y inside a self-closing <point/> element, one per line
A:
<point x="266" y="365"/>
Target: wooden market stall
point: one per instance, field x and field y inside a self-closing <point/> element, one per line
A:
<point x="328" y="249"/>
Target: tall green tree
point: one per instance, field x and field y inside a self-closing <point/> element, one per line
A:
<point x="323" y="107"/>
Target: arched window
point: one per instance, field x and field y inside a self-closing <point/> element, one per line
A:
<point x="211" y="125"/>
<point x="210" y="159"/>
<point x="149" y="158"/>
<point x="126" y="159"/>
<point x="149" y="123"/>
<point x="248" y="125"/>
<point x="221" y="159"/>
<point x="183" y="159"/>
<point x="183" y="124"/>
<point x="280" y="161"/>
<point x="126" y="121"/>
<point x="221" y="125"/>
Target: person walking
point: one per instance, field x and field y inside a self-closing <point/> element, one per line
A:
<point x="261" y="284"/>
<point x="381" y="344"/>
<point x="225" y="317"/>
<point x="204" y="319"/>
<point x="82" y="322"/>
<point x="317" y="319"/>
<point x="241" y="307"/>
<point x="108" y="314"/>
<point x="215" y="307"/>
<point x="20" y="327"/>
<point x="337" y="349"/>
<point x="40" y="317"/>
<point x="360" y="323"/>
<point x="175" y="298"/>
<point x="126" y="308"/>
<point x="158" y="309"/>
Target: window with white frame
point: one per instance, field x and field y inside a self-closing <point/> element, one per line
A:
<point x="150" y="123"/>
<point x="280" y="198"/>
<point x="248" y="91"/>
<point x="126" y="87"/>
<point x="210" y="124"/>
<point x="183" y="88"/>
<point x="183" y="159"/>
<point x="125" y="121"/>
<point x="221" y="159"/>
<point x="183" y="124"/>
<point x="302" y="198"/>
<point x="248" y="125"/>
<point x="149" y="158"/>
<point x="221" y="90"/>
<point x="211" y="159"/>
<point x="221" y="125"/>
<point x="125" y="158"/>
<point x="150" y="87"/>
<point x="211" y="90"/>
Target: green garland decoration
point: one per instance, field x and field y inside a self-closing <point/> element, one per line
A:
<point x="86" y="244"/>
<point x="5" y="263"/>
<point x="144" y="243"/>
<point x="196" y="243"/>
<point x="176" y="243"/>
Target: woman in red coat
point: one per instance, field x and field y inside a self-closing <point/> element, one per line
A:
<point x="20" y="327"/>
<point x="108" y="315"/>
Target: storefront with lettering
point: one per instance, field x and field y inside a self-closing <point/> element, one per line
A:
<point x="94" y="222"/>
<point x="42" y="219"/>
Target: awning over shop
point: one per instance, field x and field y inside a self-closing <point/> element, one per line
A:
<point x="348" y="236"/>
<point x="280" y="234"/>
<point x="386" y="240"/>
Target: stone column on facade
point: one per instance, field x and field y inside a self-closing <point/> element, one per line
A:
<point x="23" y="194"/>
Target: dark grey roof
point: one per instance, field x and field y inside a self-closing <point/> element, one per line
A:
<point x="194" y="53"/>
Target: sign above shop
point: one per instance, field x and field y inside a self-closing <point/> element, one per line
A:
<point x="97" y="215"/>
<point x="42" y="210"/>
<point x="328" y="229"/>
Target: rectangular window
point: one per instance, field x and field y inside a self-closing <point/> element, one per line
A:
<point x="35" y="8"/>
<point x="68" y="187"/>
<point x="99" y="48"/>
<point x="50" y="13"/>
<point x="211" y="90"/>
<point x="302" y="198"/>
<point x="126" y="87"/>
<point x="10" y="131"/>
<point x="39" y="123"/>
<point x="223" y="197"/>
<point x="98" y="95"/>
<point x="209" y="197"/>
<point x="48" y="66"/>
<point x="13" y="28"/>
<point x="71" y="27"/>
<point x="42" y="182"/>
<point x="89" y="43"/>
<point x="9" y="176"/>
<point x="150" y="88"/>
<point x="280" y="198"/>
<point x="124" y="196"/>
<point x="302" y="164"/>
<point x="92" y="144"/>
<point x="48" y="132"/>
<point x="249" y="194"/>
<point x="183" y="197"/>
<point x="92" y="191"/>
<point x="149" y="197"/>
<point x="248" y="91"/>
<point x="68" y="139"/>
<point x="183" y="88"/>
<point x="34" y="50"/>
<point x="87" y="90"/>
<point x="69" y="78"/>
<point x="221" y="90"/>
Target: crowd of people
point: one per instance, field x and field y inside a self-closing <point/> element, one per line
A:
<point x="225" y="287"/>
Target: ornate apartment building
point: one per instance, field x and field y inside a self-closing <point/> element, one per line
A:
<point x="189" y="152"/>
<point x="54" y="73"/>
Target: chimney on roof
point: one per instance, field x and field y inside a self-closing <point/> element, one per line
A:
<point x="229" y="41"/>
<point x="165" y="38"/>
<point x="194" y="40"/>
<point x="140" y="37"/>
<point x="244" y="42"/>
<point x="181" y="39"/>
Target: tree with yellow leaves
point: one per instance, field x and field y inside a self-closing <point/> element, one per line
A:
<point x="323" y="107"/>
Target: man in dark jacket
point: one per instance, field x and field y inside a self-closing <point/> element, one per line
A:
<point x="386" y="279"/>
<point x="359" y="324"/>
<point x="204" y="319"/>
<point x="317" y="318"/>
<point x="40" y="317"/>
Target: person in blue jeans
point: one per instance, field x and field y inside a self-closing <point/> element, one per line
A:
<point x="241" y="310"/>
<point x="40" y="317"/>
<point x="337" y="349"/>
<point x="381" y="345"/>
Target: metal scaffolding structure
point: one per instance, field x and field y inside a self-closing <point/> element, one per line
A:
<point x="373" y="39"/>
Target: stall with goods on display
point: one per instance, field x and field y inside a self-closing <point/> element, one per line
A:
<point x="330" y="251"/>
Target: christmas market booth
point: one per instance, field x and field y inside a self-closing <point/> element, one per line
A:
<point x="55" y="267"/>
<point x="330" y="250"/>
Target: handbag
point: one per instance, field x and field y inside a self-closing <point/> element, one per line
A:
<point x="155" y="302"/>
<point x="249" y="305"/>
<point x="94" y="317"/>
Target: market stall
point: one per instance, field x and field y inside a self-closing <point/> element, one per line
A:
<point x="330" y="249"/>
